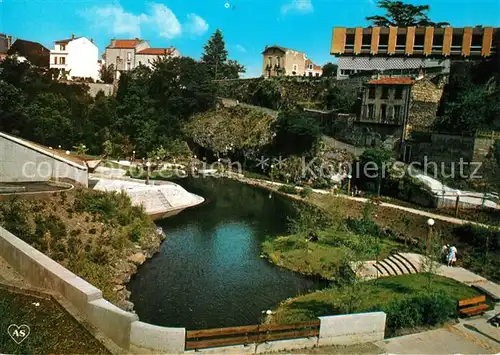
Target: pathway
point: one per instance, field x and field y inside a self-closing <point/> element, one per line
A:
<point x="270" y="184"/>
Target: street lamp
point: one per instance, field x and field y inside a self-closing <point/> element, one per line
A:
<point x="349" y="184"/>
<point x="430" y="224"/>
<point x="148" y="165"/>
<point x="133" y="155"/>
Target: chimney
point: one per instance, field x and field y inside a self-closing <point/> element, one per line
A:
<point x="91" y="40"/>
<point x="72" y="36"/>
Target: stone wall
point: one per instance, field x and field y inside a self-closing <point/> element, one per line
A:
<point x="425" y="100"/>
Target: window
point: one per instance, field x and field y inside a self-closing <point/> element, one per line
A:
<point x="128" y="66"/>
<point x="398" y="95"/>
<point x="129" y="56"/>
<point x="385" y="93"/>
<point x="62" y="60"/>
<point x="310" y="67"/>
<point x="310" y="74"/>
<point x="397" y="112"/>
<point x="383" y="112"/>
<point x="270" y="61"/>
<point x="317" y="74"/>
<point x="371" y="111"/>
<point x="63" y="47"/>
<point x="371" y="92"/>
<point x="55" y="60"/>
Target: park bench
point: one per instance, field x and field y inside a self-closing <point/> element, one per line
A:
<point x="472" y="306"/>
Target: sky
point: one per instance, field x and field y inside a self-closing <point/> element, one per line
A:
<point x="248" y="25"/>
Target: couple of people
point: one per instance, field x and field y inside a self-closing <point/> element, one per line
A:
<point x="450" y="254"/>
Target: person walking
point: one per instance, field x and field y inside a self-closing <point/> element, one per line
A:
<point x="452" y="256"/>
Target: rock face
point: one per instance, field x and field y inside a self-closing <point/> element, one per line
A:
<point x="137" y="258"/>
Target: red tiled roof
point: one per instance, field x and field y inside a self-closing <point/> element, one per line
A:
<point x="315" y="66"/>
<point x="124" y="43"/>
<point x="157" y="51"/>
<point x="392" y="81"/>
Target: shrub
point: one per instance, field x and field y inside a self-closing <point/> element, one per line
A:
<point x="478" y="236"/>
<point x="305" y="192"/>
<point x="419" y="310"/>
<point x="363" y="227"/>
<point x="288" y="189"/>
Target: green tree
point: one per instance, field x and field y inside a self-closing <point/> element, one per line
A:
<point x="403" y="15"/>
<point x="295" y="133"/>
<point x="107" y="73"/>
<point x="12" y="111"/>
<point x="330" y="70"/>
<point x="375" y="163"/>
<point x="215" y="57"/>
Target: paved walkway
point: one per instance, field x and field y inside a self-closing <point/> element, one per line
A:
<point x="266" y="183"/>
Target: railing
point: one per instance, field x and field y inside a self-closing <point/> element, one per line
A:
<point x="209" y="338"/>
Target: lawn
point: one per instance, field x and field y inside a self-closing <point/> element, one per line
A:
<point x="376" y="295"/>
<point x="322" y="258"/>
<point x="52" y="329"/>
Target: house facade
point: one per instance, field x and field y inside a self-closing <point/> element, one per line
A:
<point x="386" y="100"/>
<point x="281" y="61"/>
<point x="128" y="54"/>
<point x="407" y="50"/>
<point x="77" y="56"/>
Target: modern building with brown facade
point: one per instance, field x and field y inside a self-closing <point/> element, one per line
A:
<point x="281" y="61"/>
<point x="409" y="49"/>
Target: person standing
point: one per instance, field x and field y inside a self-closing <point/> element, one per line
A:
<point x="452" y="256"/>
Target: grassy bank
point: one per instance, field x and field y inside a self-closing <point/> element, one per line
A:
<point x="52" y="330"/>
<point x="322" y="258"/>
<point x="92" y="233"/>
<point x="406" y="299"/>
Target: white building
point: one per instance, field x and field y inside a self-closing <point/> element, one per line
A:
<point x="78" y="56"/>
<point x="127" y="54"/>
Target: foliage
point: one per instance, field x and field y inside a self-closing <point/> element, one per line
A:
<point x="288" y="189"/>
<point x="295" y="134"/>
<point x="308" y="218"/>
<point x="375" y="164"/>
<point x="215" y="56"/>
<point x="107" y="73"/>
<point x="230" y="130"/>
<point x="420" y="310"/>
<point x="330" y="70"/>
<point x="342" y="100"/>
<point x="399" y="14"/>
<point x="306" y="192"/>
<point x="471" y="99"/>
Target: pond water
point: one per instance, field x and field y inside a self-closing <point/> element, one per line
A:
<point x="209" y="273"/>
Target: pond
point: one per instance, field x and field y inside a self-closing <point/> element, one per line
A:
<point x="209" y="273"/>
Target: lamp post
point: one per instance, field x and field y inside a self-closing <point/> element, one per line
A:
<point x="430" y="224"/>
<point x="133" y="155"/>
<point x="148" y="165"/>
<point x="349" y="177"/>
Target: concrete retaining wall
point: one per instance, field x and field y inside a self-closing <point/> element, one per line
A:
<point x="23" y="161"/>
<point x="350" y="329"/>
<point x="170" y="340"/>
<point x="41" y="271"/>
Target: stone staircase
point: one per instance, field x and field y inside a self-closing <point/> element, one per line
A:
<point x="396" y="264"/>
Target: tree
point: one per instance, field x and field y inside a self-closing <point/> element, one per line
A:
<point x="215" y="57"/>
<point x="12" y="111"/>
<point x="107" y="73"/>
<point x="375" y="162"/>
<point x="330" y="70"/>
<point x="403" y="15"/>
<point x="295" y="133"/>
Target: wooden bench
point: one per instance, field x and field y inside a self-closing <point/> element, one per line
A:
<point x="472" y="306"/>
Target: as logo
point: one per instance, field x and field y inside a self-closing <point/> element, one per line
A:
<point x="18" y="333"/>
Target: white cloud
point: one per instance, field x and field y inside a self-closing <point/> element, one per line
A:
<point x="116" y="19"/>
<point x="164" y="21"/>
<point x="159" y="18"/>
<point x="297" y="7"/>
<point x="240" y="48"/>
<point x="196" y="25"/>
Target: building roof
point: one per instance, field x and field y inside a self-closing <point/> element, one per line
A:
<point x="392" y="81"/>
<point x="66" y="41"/>
<point x="124" y="43"/>
<point x="157" y="51"/>
<point x="315" y="66"/>
<point x="283" y="49"/>
<point x="36" y="53"/>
